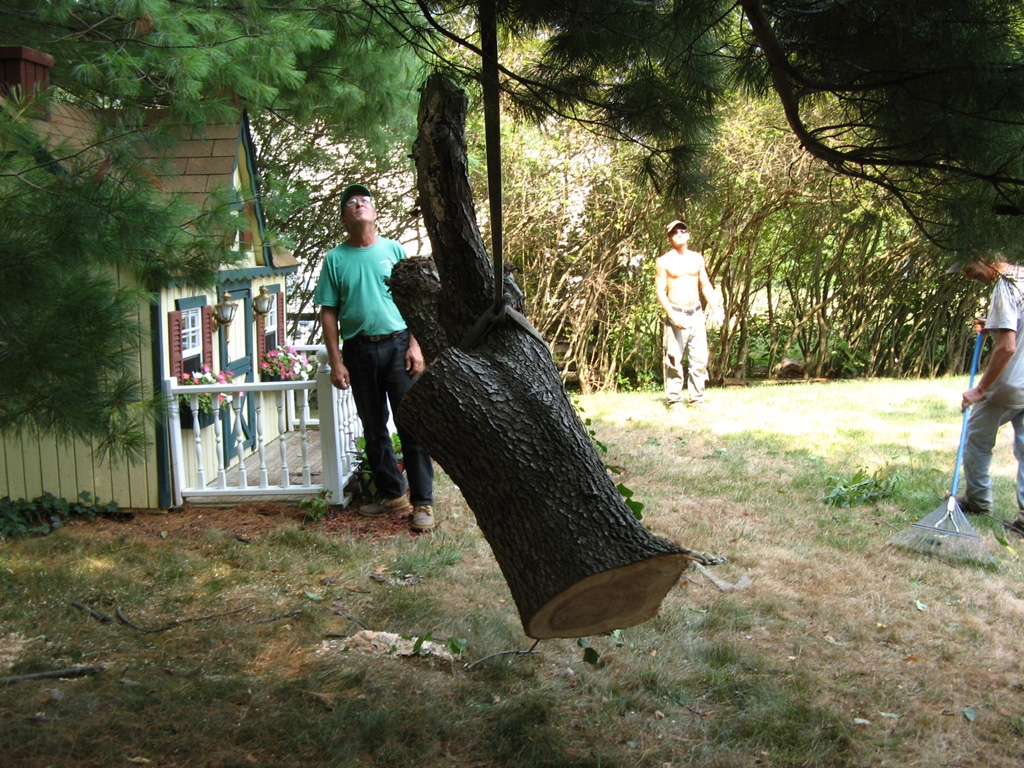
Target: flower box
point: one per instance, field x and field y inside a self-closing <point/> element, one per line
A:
<point x="205" y="376"/>
<point x="286" y="364"/>
<point x="185" y="411"/>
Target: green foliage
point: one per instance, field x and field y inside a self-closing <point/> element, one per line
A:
<point x="46" y="513"/>
<point x="86" y="235"/>
<point x="588" y="425"/>
<point x="846" y="361"/>
<point x="864" y="487"/>
<point x="457" y="645"/>
<point x="317" y="507"/>
<point x="71" y="222"/>
<point x="590" y="654"/>
<point x="636" y="507"/>
<point x="363" y="474"/>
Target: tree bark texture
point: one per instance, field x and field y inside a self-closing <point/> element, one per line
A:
<point x="497" y="418"/>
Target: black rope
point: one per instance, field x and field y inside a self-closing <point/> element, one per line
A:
<point x="499" y="309"/>
<point x="488" y="22"/>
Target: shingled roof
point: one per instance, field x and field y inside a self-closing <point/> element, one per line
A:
<point x="200" y="164"/>
<point x="220" y="158"/>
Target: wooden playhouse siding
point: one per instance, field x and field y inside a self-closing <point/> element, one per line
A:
<point x="30" y="466"/>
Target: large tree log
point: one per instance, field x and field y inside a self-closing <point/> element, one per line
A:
<point x="496" y="417"/>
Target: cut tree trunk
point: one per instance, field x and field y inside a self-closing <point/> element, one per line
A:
<point x="496" y="417"/>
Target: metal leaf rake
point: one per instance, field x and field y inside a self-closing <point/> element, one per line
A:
<point x="946" y="532"/>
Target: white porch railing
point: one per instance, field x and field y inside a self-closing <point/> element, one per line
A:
<point x="310" y="351"/>
<point x="339" y="429"/>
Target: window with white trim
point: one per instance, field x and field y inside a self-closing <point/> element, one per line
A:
<point x="191" y="340"/>
<point x="270" y="325"/>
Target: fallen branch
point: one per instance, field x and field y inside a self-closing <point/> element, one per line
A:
<point x="341" y="609"/>
<point x="102" y="618"/>
<point x="292" y="615"/>
<point x="530" y="652"/>
<point x="121" y="617"/>
<point x="70" y="672"/>
<point x="674" y="700"/>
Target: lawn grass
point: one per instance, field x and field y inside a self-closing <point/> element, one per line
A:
<point x="839" y="651"/>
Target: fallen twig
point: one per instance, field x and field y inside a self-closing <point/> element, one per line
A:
<point x="177" y="623"/>
<point x="1005" y="525"/>
<point x="341" y="609"/>
<point x="292" y="615"/>
<point x="530" y="652"/>
<point x="674" y="700"/>
<point x="102" y="618"/>
<point x="723" y="585"/>
<point x="70" y="672"/>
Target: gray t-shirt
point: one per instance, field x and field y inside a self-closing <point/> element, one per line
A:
<point x="1006" y="312"/>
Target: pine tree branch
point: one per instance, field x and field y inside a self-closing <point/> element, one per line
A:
<point x="781" y="72"/>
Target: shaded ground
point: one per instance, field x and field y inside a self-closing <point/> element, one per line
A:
<point x="250" y="521"/>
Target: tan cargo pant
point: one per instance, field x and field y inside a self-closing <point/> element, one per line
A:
<point x="690" y="343"/>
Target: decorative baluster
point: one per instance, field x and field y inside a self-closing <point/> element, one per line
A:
<point x="260" y="445"/>
<point x="350" y="430"/>
<point x="307" y="476"/>
<point x="282" y="418"/>
<point x="236" y="405"/>
<point x="218" y="433"/>
<point x="197" y="438"/>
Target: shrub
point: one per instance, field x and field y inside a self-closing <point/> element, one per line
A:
<point x="46" y="513"/>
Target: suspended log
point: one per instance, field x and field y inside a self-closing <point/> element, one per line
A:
<point x="496" y="417"/>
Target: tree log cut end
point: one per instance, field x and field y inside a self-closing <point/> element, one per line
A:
<point x="613" y="599"/>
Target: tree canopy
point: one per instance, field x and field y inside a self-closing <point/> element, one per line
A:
<point x="85" y="235"/>
<point x="924" y="98"/>
<point x="921" y="99"/>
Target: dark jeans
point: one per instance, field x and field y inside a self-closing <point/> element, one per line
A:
<point x="377" y="373"/>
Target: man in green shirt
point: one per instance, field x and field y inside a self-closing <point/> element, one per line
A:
<point x="380" y="358"/>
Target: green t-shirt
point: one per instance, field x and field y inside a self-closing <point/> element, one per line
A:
<point x="352" y="279"/>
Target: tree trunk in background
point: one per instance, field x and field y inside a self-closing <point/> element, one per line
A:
<point x="497" y="418"/>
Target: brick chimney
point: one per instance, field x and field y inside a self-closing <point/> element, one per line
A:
<point x="23" y="68"/>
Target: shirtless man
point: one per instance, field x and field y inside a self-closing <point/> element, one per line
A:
<point x="680" y="280"/>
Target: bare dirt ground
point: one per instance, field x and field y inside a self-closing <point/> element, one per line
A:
<point x="250" y="521"/>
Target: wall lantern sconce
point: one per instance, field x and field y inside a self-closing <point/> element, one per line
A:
<point x="224" y="313"/>
<point x="263" y="302"/>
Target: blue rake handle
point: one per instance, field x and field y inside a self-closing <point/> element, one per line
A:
<point x="967" y="414"/>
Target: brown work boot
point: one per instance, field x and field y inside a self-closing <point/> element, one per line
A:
<point x="385" y="507"/>
<point x="422" y="518"/>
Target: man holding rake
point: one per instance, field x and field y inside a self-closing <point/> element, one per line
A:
<point x="998" y="397"/>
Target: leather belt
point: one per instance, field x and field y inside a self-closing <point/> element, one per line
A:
<point x="374" y="339"/>
<point x="687" y="310"/>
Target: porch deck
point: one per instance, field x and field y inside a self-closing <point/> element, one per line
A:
<point x="322" y="457"/>
<point x="293" y="452"/>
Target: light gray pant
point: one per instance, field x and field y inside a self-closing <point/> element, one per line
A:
<point x="690" y="341"/>
<point x="985" y="421"/>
